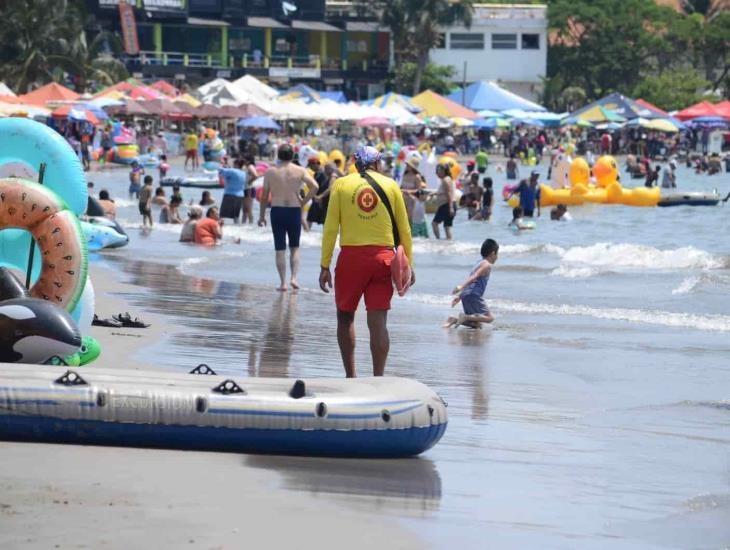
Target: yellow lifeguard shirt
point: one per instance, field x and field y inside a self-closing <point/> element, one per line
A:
<point x="357" y="214"/>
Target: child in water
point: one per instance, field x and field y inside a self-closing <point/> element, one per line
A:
<point x="135" y="175"/>
<point x="518" y="221"/>
<point x="470" y="293"/>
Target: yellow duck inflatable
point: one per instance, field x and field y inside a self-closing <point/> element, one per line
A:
<point x="607" y="190"/>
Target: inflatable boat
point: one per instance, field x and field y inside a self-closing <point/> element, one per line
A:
<point x="363" y="417"/>
<point x="691" y="198"/>
<point x="207" y="182"/>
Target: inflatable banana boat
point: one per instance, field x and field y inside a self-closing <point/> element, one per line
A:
<point x="363" y="417"/>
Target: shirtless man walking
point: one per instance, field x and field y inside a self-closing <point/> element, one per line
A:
<point x="284" y="182"/>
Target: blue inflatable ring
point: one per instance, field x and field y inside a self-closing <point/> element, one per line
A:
<point x="31" y="143"/>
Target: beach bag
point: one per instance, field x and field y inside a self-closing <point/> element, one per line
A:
<point x="400" y="268"/>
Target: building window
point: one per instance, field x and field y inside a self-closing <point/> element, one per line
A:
<point x="467" y="41"/>
<point x="504" y="41"/>
<point x="530" y="41"/>
<point x="441" y="42"/>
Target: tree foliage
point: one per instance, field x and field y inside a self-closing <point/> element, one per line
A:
<point x="438" y="78"/>
<point x="44" y="40"/>
<point x="416" y="28"/>
<point x="672" y="90"/>
<point x="627" y="46"/>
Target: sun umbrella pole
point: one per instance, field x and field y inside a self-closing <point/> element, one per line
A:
<point x="41" y="173"/>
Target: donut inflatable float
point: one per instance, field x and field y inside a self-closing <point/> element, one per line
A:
<point x="34" y="208"/>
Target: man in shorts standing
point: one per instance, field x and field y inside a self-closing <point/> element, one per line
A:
<point x="359" y="216"/>
<point x="191" y="149"/>
<point x="283" y="183"/>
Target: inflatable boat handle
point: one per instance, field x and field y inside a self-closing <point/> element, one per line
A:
<point x="70" y="378"/>
<point x="298" y="390"/>
<point x="203" y="369"/>
<point x="228" y="387"/>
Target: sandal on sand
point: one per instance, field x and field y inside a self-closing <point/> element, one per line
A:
<point x="126" y="321"/>
<point x="105" y="322"/>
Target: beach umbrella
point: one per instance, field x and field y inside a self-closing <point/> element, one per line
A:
<point x="129" y="108"/>
<point x="609" y="126"/>
<point x="663" y="125"/>
<point x="375" y="121"/>
<point x="258" y="122"/>
<point x="709" y="122"/>
<point x="579" y="122"/>
<point x="488" y="113"/>
<point x="461" y="122"/>
<point x="438" y="122"/>
<point x="103" y="102"/>
<point x="76" y="113"/>
<point x="50" y="93"/>
<point x="492" y="123"/>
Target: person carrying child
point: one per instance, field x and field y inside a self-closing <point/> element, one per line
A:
<point x="470" y="293"/>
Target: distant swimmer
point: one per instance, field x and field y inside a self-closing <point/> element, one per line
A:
<point x="518" y="222"/>
<point x="470" y="293"/>
<point x="560" y="214"/>
<point x="283" y="182"/>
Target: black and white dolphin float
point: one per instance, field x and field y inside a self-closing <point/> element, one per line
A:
<point x="32" y="330"/>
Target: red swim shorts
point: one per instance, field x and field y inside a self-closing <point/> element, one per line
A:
<point x="364" y="270"/>
<point x="191" y="154"/>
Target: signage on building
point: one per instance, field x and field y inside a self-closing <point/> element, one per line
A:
<point x="179" y="76"/>
<point x="114" y="3"/>
<point x="129" y="29"/>
<point x="294" y="72"/>
<point x="164" y="5"/>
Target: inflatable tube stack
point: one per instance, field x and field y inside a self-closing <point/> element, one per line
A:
<point x="48" y="214"/>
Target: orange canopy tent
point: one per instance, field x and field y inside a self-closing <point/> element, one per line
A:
<point x="49" y="93"/>
<point x="433" y="104"/>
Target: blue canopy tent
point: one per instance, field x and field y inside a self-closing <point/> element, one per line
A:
<point x="622" y="106"/>
<point x="337" y="97"/>
<point x="302" y="91"/>
<point x="264" y="122"/>
<point x="489" y="95"/>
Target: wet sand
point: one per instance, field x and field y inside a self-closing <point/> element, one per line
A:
<point x="65" y="496"/>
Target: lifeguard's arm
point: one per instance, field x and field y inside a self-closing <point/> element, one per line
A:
<point x="404" y="226"/>
<point x="264" y="199"/>
<point x="483" y="270"/>
<point x="331" y="228"/>
<point x="311" y="184"/>
<point x="537" y="199"/>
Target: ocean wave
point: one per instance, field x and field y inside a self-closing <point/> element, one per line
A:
<point x="687" y="285"/>
<point x="575" y="272"/>
<point x="719" y="323"/>
<point x="626" y="255"/>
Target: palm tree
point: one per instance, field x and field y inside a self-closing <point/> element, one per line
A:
<point x="35" y="38"/>
<point x="43" y="40"/>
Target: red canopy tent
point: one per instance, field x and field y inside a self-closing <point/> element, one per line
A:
<point x="52" y="92"/>
<point x="723" y="108"/>
<point x="703" y="108"/>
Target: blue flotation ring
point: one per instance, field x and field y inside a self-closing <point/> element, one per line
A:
<point x="27" y="142"/>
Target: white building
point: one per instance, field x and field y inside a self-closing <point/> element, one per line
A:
<point x="506" y="43"/>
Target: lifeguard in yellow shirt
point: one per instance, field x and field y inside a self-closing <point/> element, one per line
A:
<point x="357" y="214"/>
